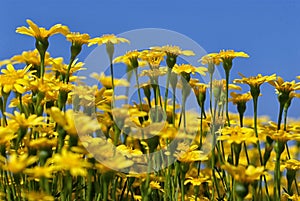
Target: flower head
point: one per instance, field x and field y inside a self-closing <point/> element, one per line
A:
<point x="188" y="68"/>
<point x="240" y="98"/>
<point x="130" y="59"/>
<point x="237" y="135"/>
<point x="78" y="38"/>
<point x="227" y="56"/>
<point x="107" y="38"/>
<point x="244" y="174"/>
<point x="41" y="33"/>
<point x="152" y="57"/>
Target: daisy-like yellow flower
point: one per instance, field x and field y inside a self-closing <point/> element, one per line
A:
<point x="198" y="180"/>
<point x="21" y="121"/>
<point x="77" y="38"/>
<point x="242" y="174"/>
<point x="172" y="53"/>
<point x="73" y="162"/>
<point x="191" y="155"/>
<point x="41" y="36"/>
<point x="17" y="163"/>
<point x="210" y="60"/>
<point x="227" y="56"/>
<point x="237" y="135"/>
<point x="58" y="65"/>
<point x="152" y="57"/>
<point x="30" y="57"/>
<point x="107" y="38"/>
<point x="38" y="172"/>
<point x="240" y="98"/>
<point x="7" y="133"/>
<point x="41" y="33"/>
<point x="130" y="59"/>
<point x="255" y="81"/>
<point x="15" y="80"/>
<point x="291" y="164"/>
<point x="188" y="68"/>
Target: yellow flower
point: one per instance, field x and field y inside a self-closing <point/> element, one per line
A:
<point x="107" y="38"/>
<point x="190" y="155"/>
<point x="245" y="175"/>
<point x="188" y="68"/>
<point x="255" y="81"/>
<point x="30" y="57"/>
<point x="7" y="134"/>
<point x="21" y="121"/>
<point x="197" y="181"/>
<point x="130" y="59"/>
<point x="152" y="57"/>
<point x="279" y="135"/>
<point x="240" y="98"/>
<point x="38" y="172"/>
<point x="173" y="50"/>
<point x="78" y="38"/>
<point x="211" y="58"/>
<point x="231" y="54"/>
<point x="107" y="82"/>
<point x="291" y="164"/>
<point x="41" y="33"/>
<point x="18" y="163"/>
<point x="73" y="123"/>
<point x="73" y="162"/>
<point x="237" y="135"/>
<point x="58" y="65"/>
<point x="15" y="80"/>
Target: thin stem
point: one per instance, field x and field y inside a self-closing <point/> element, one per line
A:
<point x="280" y="115"/>
<point x="167" y="87"/>
<point x="227" y="89"/>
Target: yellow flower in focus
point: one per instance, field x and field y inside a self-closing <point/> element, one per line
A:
<point x="77" y="38"/>
<point x="37" y="196"/>
<point x="188" y="68"/>
<point x="107" y="38"/>
<point x="73" y="162"/>
<point x="130" y="59"/>
<point x="58" y="65"/>
<point x="15" y="80"/>
<point x="240" y="98"/>
<point x="237" y="135"/>
<point x="21" y="121"/>
<point x="41" y="33"/>
<point x="255" y="81"/>
<point x="152" y="57"/>
<point x="245" y="175"/>
<point x="17" y="163"/>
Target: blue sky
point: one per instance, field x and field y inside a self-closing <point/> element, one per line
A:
<point x="268" y="31"/>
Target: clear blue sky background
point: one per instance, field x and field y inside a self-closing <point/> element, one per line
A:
<point x="268" y="31"/>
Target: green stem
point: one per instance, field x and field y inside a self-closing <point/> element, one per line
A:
<point x="280" y="115"/>
<point x="67" y="78"/>
<point x="227" y="89"/>
<point x="167" y="87"/>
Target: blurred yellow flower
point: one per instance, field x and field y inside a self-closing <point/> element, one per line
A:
<point x="17" y="163"/>
<point x="22" y="121"/>
<point x="245" y="175"/>
<point x="73" y="162"/>
<point x="211" y="58"/>
<point x="130" y="59"/>
<point x="37" y="196"/>
<point x="107" y="82"/>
